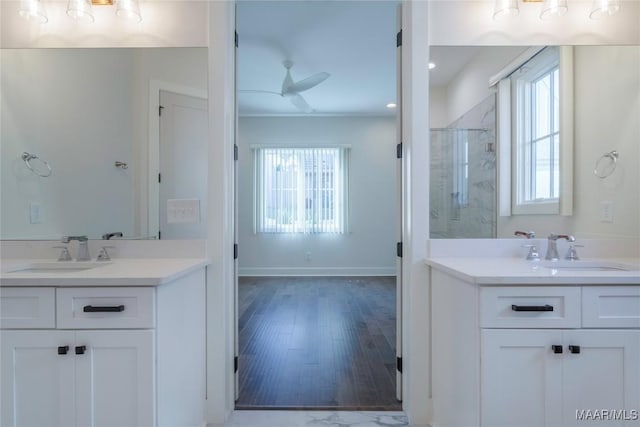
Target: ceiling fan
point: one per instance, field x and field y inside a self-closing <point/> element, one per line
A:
<point x="291" y="89"/>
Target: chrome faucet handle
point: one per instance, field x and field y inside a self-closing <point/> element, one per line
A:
<point x="64" y="253"/>
<point x="104" y="255"/>
<point x="528" y="234"/>
<point x="533" y="254"/>
<point x="572" y="254"/>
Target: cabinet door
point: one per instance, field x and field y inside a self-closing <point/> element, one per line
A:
<point x="604" y="375"/>
<point x="37" y="383"/>
<point x="115" y="378"/>
<point x="521" y="378"/>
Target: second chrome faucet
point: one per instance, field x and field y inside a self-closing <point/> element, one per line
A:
<point x="552" y="245"/>
<point x="83" y="246"/>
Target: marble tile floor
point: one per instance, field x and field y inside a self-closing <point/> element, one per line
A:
<point x="316" y="419"/>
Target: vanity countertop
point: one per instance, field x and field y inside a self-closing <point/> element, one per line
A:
<point x="516" y="271"/>
<point x="118" y="272"/>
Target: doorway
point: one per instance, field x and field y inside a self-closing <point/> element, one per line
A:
<point x="312" y="288"/>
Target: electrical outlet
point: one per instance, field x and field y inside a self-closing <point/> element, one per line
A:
<point x="35" y="213"/>
<point x="183" y="211"/>
<point x="606" y="211"/>
<point x="307" y="256"/>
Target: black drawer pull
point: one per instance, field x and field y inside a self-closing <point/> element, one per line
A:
<point x="574" y="349"/>
<point x="81" y="349"/>
<point x="557" y="349"/>
<point x="63" y="349"/>
<point x="545" y="307"/>
<point x="103" y="309"/>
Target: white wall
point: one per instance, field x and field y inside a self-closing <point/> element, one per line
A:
<point x="369" y="246"/>
<point x="81" y="110"/>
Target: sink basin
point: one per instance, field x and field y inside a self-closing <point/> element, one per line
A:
<point x="59" y="267"/>
<point x="588" y="266"/>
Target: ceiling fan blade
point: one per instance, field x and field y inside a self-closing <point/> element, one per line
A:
<point x="307" y="83"/>
<point x="300" y="103"/>
<point x="258" y="91"/>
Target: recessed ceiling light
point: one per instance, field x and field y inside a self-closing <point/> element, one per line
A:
<point x="391" y="105"/>
<point x="432" y="65"/>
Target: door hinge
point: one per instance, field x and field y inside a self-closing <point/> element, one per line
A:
<point x="399" y="364"/>
<point x="399" y="39"/>
<point x="235" y="251"/>
<point x="399" y="151"/>
<point x="236" y="38"/>
<point x="399" y="249"/>
<point x="235" y="151"/>
<point x="160" y="108"/>
<point x="235" y="364"/>
<point x="159" y="178"/>
<point x="159" y="235"/>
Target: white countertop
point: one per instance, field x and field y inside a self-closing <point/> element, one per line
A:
<point x="517" y="271"/>
<point x="118" y="272"/>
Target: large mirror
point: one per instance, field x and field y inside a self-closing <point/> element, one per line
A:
<point x="83" y="142"/>
<point x="471" y="184"/>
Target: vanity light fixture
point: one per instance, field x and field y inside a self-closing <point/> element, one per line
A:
<point x="81" y="10"/>
<point x="551" y="8"/>
<point x="33" y="10"/>
<point x="602" y="8"/>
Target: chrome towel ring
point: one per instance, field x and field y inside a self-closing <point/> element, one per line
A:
<point x="28" y="157"/>
<point x="606" y="164"/>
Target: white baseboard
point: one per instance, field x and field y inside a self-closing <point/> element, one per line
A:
<point x="317" y="271"/>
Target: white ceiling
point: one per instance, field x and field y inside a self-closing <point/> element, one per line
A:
<point x="354" y="41"/>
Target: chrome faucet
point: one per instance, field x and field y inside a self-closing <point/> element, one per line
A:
<point x="83" y="246"/>
<point x="552" y="246"/>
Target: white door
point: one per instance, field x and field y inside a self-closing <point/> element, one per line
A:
<point x="521" y="378"/>
<point x="183" y="166"/>
<point x="115" y="378"/>
<point x="37" y="383"/>
<point x="602" y="373"/>
<point x="399" y="221"/>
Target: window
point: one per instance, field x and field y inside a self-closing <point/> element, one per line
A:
<point x="301" y="190"/>
<point x="536" y="88"/>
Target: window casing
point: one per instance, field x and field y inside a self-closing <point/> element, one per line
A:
<point x="301" y="190"/>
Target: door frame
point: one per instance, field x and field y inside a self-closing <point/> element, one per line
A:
<point x="153" y="149"/>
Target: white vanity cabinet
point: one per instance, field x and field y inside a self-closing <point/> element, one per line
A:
<point x="532" y="355"/>
<point x="112" y="356"/>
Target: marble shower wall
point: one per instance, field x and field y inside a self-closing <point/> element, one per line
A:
<point x="453" y="215"/>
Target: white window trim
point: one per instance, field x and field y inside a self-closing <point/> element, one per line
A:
<point x="507" y="205"/>
<point x="343" y="197"/>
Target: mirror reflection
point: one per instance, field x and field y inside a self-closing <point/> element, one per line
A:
<point x="92" y="117"/>
<point x="474" y="162"/>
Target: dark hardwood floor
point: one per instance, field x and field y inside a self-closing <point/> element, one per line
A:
<point x="317" y="342"/>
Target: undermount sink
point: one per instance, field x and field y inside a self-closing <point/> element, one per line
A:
<point x="588" y="266"/>
<point x="59" y="267"/>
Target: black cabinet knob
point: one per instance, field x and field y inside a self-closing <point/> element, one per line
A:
<point x="557" y="349"/>
<point x="80" y="349"/>
<point x="574" y="349"/>
<point x="63" y="349"/>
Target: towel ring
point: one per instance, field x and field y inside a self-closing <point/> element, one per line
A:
<point x="27" y="157"/>
<point x="606" y="164"/>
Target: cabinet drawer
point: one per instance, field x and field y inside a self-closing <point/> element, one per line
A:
<point x="611" y="306"/>
<point x="27" y="308"/>
<point x="530" y="307"/>
<point x="105" y="308"/>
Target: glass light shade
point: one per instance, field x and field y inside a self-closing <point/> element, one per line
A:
<point x="33" y="10"/>
<point x="129" y="9"/>
<point x="552" y="8"/>
<point x="602" y="8"/>
<point x="80" y="10"/>
<point x="505" y="8"/>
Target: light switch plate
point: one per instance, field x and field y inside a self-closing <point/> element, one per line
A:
<point x="35" y="213"/>
<point x="183" y="211"/>
<point x="606" y="211"/>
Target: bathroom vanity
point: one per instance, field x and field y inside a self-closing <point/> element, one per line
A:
<point x="521" y="343"/>
<point x="118" y="344"/>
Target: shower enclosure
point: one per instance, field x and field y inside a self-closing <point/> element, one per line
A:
<point x="463" y="183"/>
